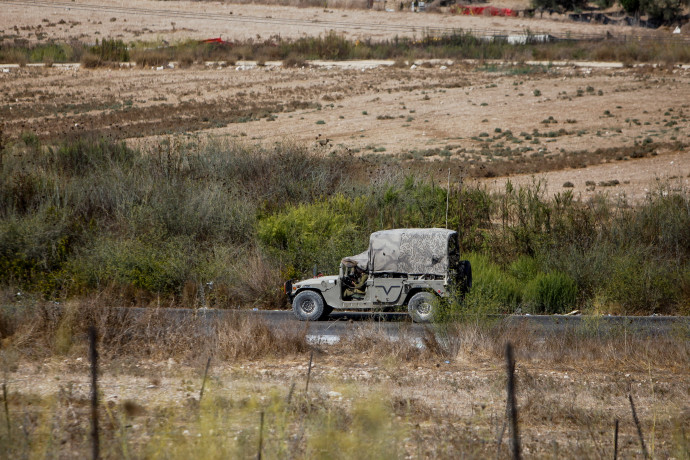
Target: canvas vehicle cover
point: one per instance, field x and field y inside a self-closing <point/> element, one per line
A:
<point x="360" y="260"/>
<point x="409" y="250"/>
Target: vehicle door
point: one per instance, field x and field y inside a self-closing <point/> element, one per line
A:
<point x="386" y="289"/>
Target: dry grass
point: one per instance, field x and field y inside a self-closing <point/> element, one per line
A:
<point x="153" y="57"/>
<point x="153" y="333"/>
<point x="369" y="397"/>
<point x="592" y="344"/>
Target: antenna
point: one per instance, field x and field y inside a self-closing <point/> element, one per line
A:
<point x="447" y="194"/>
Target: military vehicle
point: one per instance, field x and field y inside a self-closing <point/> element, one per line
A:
<point x="412" y="267"/>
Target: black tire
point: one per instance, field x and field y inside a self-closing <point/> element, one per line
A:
<point x="308" y="306"/>
<point x="422" y="307"/>
<point x="327" y="310"/>
<point x="465" y="276"/>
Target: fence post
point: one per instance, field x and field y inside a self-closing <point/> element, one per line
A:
<point x="512" y="404"/>
<point x="615" y="441"/>
<point x="261" y="436"/>
<point x="311" y="357"/>
<point x="203" y="382"/>
<point x="639" y="427"/>
<point x="7" y="412"/>
<point x="93" y="355"/>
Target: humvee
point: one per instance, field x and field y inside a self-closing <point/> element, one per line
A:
<point x="411" y="267"/>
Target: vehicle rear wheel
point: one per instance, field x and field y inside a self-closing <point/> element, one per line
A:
<point x="422" y="307"/>
<point x="308" y="306"/>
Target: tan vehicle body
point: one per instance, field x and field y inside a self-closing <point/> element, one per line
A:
<point x="405" y="267"/>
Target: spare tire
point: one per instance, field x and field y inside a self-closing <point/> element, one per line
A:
<point x="465" y="276"/>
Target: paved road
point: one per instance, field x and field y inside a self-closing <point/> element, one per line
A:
<point x="392" y="324"/>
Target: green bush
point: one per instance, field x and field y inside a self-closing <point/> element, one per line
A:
<point x="493" y="286"/>
<point x="663" y="11"/>
<point x="472" y="207"/>
<point x="317" y="234"/>
<point x="552" y="292"/>
<point x="630" y="6"/>
<point x="51" y="52"/>
<point x="35" y="248"/>
<point x="640" y="284"/>
<point x="89" y="214"/>
<point x="590" y="268"/>
<point x="406" y="202"/>
<point x="525" y="268"/>
<point x="111" y="50"/>
<point x="330" y="46"/>
<point x="145" y="263"/>
<point x="559" y="5"/>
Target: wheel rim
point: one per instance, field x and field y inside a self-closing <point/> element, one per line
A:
<point x="308" y="306"/>
<point x="424" y="308"/>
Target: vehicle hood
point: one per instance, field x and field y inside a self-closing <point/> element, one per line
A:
<point x="321" y="282"/>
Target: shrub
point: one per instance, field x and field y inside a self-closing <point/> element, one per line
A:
<point x="222" y="224"/>
<point x="639" y="284"/>
<point x="493" y="289"/>
<point x="524" y="268"/>
<point x="51" y="52"/>
<point x="151" y="57"/>
<point x="294" y="60"/>
<point x="660" y="11"/>
<point x="111" y="50"/>
<point x="90" y="60"/>
<point x="35" y="248"/>
<point x="185" y="58"/>
<point x="630" y="6"/>
<point x="319" y="233"/>
<point x="553" y="292"/>
<point x="560" y="5"/>
<point x="146" y="263"/>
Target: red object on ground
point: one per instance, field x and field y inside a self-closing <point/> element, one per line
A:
<point x="480" y="10"/>
<point x="218" y="40"/>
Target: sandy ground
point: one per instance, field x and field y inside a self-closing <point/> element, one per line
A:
<point x="639" y="178"/>
<point x="563" y="123"/>
<point x="87" y="20"/>
<point x="574" y="124"/>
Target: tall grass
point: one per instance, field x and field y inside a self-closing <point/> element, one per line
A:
<point x="48" y="330"/>
<point x="221" y="224"/>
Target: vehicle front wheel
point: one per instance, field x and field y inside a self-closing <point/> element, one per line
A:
<point x="308" y="306"/>
<point x="422" y="307"/>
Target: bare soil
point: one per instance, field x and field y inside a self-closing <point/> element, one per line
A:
<point x="446" y="407"/>
<point x="135" y="19"/>
<point x="581" y="125"/>
<point x="584" y="124"/>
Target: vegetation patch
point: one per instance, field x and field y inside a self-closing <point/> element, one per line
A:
<point x="224" y="224"/>
<point x="331" y="46"/>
